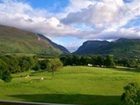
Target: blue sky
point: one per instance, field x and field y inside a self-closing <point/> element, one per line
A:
<point x="134" y="22"/>
<point x="128" y="1"/>
<point x="56" y="6"/>
<point x="50" y="5"/>
<point x="71" y="22"/>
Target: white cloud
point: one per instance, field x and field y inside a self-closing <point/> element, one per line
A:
<point x="106" y="15"/>
<point x="22" y="15"/>
<point x="84" y="19"/>
<point x="77" y="5"/>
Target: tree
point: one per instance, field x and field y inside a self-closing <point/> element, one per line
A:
<point x="5" y="74"/>
<point x="109" y="61"/>
<point x="43" y="64"/>
<point x="75" y="60"/>
<point x="99" y="61"/>
<point x="64" y="60"/>
<point x="54" y="64"/>
<point x="67" y="60"/>
<point x="26" y="63"/>
<point x="131" y="96"/>
<point x="83" y="60"/>
<point x="12" y="66"/>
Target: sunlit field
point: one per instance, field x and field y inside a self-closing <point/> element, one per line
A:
<point x="70" y="85"/>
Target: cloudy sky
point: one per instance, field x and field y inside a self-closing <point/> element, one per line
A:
<point x="71" y="22"/>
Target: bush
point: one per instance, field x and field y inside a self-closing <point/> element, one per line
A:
<point x="131" y="96"/>
<point x="6" y="76"/>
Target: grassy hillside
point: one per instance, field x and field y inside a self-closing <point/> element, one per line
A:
<point x="72" y="85"/>
<point x="14" y="40"/>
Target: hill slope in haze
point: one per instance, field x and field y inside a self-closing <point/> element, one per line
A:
<point x="119" y="48"/>
<point x="13" y="40"/>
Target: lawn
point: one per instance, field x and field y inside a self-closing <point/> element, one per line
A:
<point x="70" y="85"/>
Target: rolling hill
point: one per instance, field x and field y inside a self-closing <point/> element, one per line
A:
<point x="13" y="40"/>
<point x="119" y="48"/>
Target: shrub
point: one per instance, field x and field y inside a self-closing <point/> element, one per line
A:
<point x="131" y="96"/>
<point x="6" y="76"/>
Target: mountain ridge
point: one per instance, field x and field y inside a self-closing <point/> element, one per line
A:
<point x="122" y="47"/>
<point x="14" y="40"/>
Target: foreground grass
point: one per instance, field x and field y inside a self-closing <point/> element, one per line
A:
<point x="71" y="85"/>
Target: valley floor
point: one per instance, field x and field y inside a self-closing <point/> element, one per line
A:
<point x="70" y="85"/>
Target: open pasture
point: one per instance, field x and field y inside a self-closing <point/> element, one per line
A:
<point x="70" y="85"/>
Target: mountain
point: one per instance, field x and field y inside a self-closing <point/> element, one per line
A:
<point x="63" y="49"/>
<point x="13" y="40"/>
<point x="119" y="48"/>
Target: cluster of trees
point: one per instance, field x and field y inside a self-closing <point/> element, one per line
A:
<point x="102" y="61"/>
<point x="129" y="62"/>
<point x="15" y="64"/>
<point x="50" y="65"/>
<point x="107" y="61"/>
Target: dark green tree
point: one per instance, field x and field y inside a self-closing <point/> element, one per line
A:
<point x="109" y="61"/>
<point x="5" y="74"/>
<point x="99" y="60"/>
<point x="26" y="63"/>
<point x="43" y="64"/>
<point x="12" y="66"/>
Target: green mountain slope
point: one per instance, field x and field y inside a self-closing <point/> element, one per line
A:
<point x="13" y="40"/>
<point x="119" y="48"/>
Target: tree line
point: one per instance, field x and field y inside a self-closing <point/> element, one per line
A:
<point x="101" y="61"/>
<point x="15" y="64"/>
<point x="128" y="62"/>
<point x="107" y="61"/>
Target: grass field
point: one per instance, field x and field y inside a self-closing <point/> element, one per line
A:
<point x="70" y="85"/>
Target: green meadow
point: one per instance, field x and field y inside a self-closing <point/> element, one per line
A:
<point x="70" y="85"/>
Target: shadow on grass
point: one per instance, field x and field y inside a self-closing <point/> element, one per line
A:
<point x="80" y="99"/>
